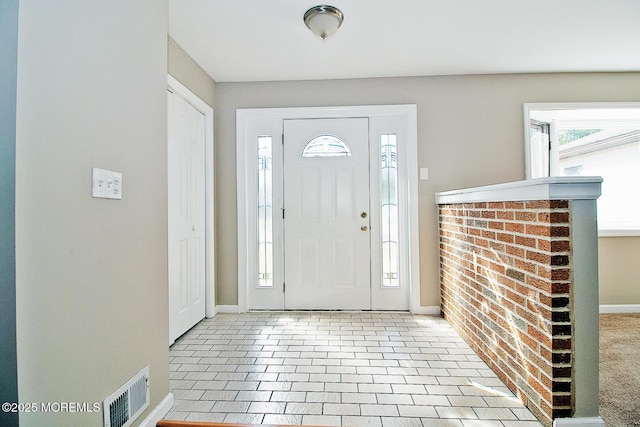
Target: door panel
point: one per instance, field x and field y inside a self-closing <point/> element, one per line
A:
<point x="309" y="194"/>
<point x="327" y="247"/>
<point x="344" y="259"/>
<point x="308" y="263"/>
<point x="186" y="215"/>
<point x="343" y="192"/>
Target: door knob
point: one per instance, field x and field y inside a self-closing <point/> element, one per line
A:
<point x="364" y="228"/>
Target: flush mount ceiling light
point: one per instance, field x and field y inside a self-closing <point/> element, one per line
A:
<point x="323" y="20"/>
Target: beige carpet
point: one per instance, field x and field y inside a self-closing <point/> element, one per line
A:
<point x="620" y="369"/>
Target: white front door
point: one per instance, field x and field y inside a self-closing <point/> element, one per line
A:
<point x="186" y="222"/>
<point x="327" y="218"/>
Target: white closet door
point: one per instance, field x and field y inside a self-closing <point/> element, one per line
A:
<point x="186" y="222"/>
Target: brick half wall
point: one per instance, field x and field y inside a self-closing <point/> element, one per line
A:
<point x="506" y="286"/>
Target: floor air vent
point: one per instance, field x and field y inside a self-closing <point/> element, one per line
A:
<point x="128" y="402"/>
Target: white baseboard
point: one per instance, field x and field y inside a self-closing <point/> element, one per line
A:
<point x="579" y="422"/>
<point x="431" y="310"/>
<point x="158" y="412"/>
<point x="620" y="308"/>
<point x="227" y="309"/>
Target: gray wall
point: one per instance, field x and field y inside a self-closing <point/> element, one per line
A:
<point x="189" y="73"/>
<point x="619" y="270"/>
<point x="91" y="282"/>
<point x="8" y="75"/>
<point x="470" y="133"/>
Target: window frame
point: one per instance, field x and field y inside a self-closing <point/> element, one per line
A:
<point x="528" y="108"/>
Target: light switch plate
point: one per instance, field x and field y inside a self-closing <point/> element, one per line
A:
<point x="106" y="184"/>
<point x="424" y="174"/>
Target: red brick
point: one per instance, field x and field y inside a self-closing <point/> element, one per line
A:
<point x="560" y="274"/>
<point x="562" y="400"/>
<point x="544" y="217"/>
<point x="516" y="298"/>
<point x="516" y="251"/>
<point x="514" y="227"/>
<point x="559" y="204"/>
<point x="526" y="241"/>
<point x="506" y="215"/>
<point x="564" y="357"/>
<point x="539" y="257"/>
<point x="496" y="225"/>
<point x="538" y="204"/>
<point x="544" y="392"/>
<point x="540" y="336"/>
<point x="488" y="214"/>
<point x="515" y="274"/>
<point x="561" y="288"/>
<point x="537" y="230"/>
<point x="560" y="231"/>
<point x="561" y="385"/>
<point x="499" y="247"/>
<point x="546" y="354"/>
<point x="527" y="340"/>
<point x="562" y="344"/>
<point x="544" y="312"/>
<point x="489" y="234"/>
<point x="559" y="217"/>
<point x="474" y="258"/>
<point x="544" y="245"/>
<point x="514" y="205"/>
<point x="559" y="260"/>
<point x="505" y="237"/>
<point x="524" y="265"/>
<point x="560" y="246"/>
<point x="481" y="242"/>
<point x="525" y="216"/>
<point x="527" y="315"/>
<point x="539" y="284"/>
<point x="545" y="300"/>
<point x="544" y="272"/>
<point x="533" y="370"/>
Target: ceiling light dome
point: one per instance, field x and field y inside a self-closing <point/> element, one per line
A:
<point x="323" y="20"/>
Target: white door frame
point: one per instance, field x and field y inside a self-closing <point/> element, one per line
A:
<point x="178" y="88"/>
<point x="246" y="122"/>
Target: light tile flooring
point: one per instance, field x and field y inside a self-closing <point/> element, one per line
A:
<point x="336" y="369"/>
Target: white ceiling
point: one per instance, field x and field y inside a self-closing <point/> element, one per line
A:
<point x="266" y="40"/>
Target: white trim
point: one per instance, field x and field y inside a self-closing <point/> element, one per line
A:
<point x="579" y="422"/>
<point x="619" y="308"/>
<point x="228" y="309"/>
<point x="243" y="118"/>
<point x="554" y="188"/>
<point x="412" y="206"/>
<point x="618" y="232"/>
<point x="210" y="290"/>
<point x="159" y="412"/>
<point x="429" y="310"/>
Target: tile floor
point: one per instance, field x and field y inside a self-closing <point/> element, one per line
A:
<point x="336" y="369"/>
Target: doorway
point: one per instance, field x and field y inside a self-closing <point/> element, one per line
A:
<point x="324" y="219"/>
